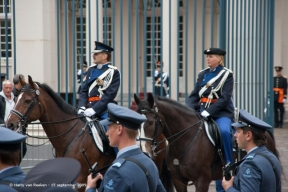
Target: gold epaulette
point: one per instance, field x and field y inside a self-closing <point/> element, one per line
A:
<point x="228" y="69"/>
<point x="112" y="67"/>
<point x="284" y="76"/>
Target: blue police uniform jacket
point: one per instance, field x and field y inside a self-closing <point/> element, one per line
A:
<point x="12" y="175"/>
<point x="223" y="107"/>
<point x="100" y="107"/>
<point x="128" y="176"/>
<point x="255" y="173"/>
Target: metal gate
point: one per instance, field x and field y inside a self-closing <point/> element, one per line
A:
<point x="174" y="32"/>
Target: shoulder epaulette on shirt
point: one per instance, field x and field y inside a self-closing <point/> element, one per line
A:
<point x="119" y="163"/>
<point x="251" y="156"/>
<point x="112" y="67"/>
<point x="204" y="69"/>
<point x="284" y="76"/>
<point x="228" y="69"/>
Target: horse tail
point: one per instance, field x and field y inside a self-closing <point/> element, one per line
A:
<point x="166" y="179"/>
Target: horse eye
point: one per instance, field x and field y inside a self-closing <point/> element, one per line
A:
<point x="27" y="101"/>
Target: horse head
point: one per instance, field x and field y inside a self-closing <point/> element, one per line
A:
<point x="153" y="126"/>
<point x="27" y="107"/>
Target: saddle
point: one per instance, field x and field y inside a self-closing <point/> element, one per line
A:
<point x="98" y="134"/>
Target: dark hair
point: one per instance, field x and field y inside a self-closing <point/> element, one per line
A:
<point x="17" y="77"/>
<point x="259" y="137"/>
<point x="10" y="157"/>
<point x="108" y="55"/>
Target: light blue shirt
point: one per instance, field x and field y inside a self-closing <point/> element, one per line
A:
<point x="126" y="149"/>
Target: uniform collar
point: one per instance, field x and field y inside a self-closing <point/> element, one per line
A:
<point x="126" y="149"/>
<point x="216" y="69"/>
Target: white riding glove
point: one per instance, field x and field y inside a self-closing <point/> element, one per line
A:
<point x="205" y="114"/>
<point x="81" y="110"/>
<point x="284" y="100"/>
<point x="89" y="112"/>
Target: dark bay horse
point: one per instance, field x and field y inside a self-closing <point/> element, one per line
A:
<point x="190" y="154"/>
<point x="67" y="133"/>
<point x="65" y="130"/>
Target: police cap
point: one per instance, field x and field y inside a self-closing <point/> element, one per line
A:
<point x="10" y="140"/>
<point x="58" y="172"/>
<point x="101" y="47"/>
<point x="85" y="64"/>
<point x="278" y="68"/>
<point x="123" y="116"/>
<point x="248" y="120"/>
<point x="215" y="51"/>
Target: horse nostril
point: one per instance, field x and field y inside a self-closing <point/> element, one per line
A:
<point x="10" y="126"/>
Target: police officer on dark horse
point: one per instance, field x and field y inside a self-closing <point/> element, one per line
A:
<point x="101" y="85"/>
<point x="212" y="94"/>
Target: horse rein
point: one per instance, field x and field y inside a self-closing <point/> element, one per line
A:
<point x="154" y="141"/>
<point x="23" y="120"/>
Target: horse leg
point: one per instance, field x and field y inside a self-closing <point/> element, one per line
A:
<point x="179" y="185"/>
<point x="202" y="184"/>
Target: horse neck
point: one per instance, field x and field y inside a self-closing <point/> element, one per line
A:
<point x="176" y="119"/>
<point x="54" y="124"/>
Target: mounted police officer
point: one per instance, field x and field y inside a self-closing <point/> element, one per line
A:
<point x="260" y="169"/>
<point x="280" y="96"/>
<point x="132" y="170"/>
<point x="213" y="95"/>
<point x="161" y="81"/>
<point x="101" y="84"/>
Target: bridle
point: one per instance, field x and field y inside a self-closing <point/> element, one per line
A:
<point x="23" y="118"/>
<point x="154" y="141"/>
<point x="158" y="121"/>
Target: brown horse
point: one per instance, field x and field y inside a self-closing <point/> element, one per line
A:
<point x="190" y="153"/>
<point x="67" y="132"/>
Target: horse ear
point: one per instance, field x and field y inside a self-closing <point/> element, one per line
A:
<point x="22" y="81"/>
<point x="31" y="82"/>
<point x="150" y="100"/>
<point x="137" y="100"/>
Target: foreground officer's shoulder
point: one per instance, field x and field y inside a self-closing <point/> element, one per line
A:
<point x="118" y="163"/>
<point x="228" y="69"/>
<point x="285" y="76"/>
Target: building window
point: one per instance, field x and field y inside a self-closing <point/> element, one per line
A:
<point x="107" y="30"/>
<point x="106" y="3"/>
<point x="2" y="6"/>
<point x="3" y="35"/>
<point x="80" y="40"/>
<point x="157" y="44"/>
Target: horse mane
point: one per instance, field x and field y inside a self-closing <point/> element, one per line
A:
<point x="58" y="100"/>
<point x="175" y="104"/>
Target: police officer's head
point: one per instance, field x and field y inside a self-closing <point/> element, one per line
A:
<point x="101" y="53"/>
<point x="257" y="127"/>
<point x="278" y="69"/>
<point x="10" y="145"/>
<point x="216" y="55"/>
<point x="53" y="175"/>
<point x="122" y="120"/>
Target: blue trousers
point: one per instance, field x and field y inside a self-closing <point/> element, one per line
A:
<point x="224" y="124"/>
<point x="105" y="116"/>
